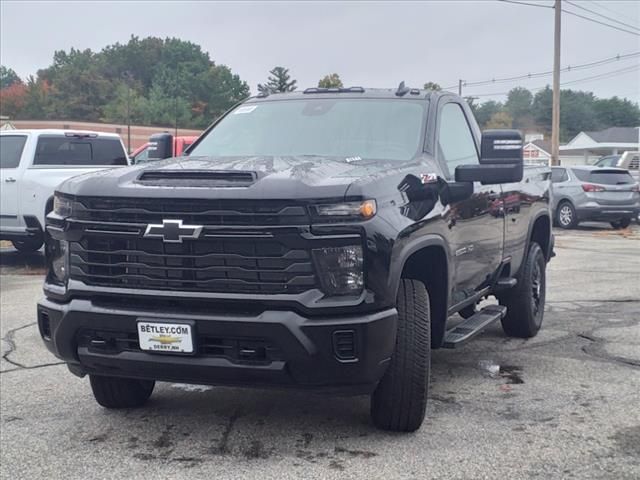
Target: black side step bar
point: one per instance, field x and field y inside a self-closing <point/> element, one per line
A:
<point x="473" y="325"/>
<point x="505" y="284"/>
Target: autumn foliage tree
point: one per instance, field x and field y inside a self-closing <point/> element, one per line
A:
<point x="159" y="80"/>
<point x="13" y="99"/>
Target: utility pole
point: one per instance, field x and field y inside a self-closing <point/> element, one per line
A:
<point x="128" y="117"/>
<point x="460" y="87"/>
<point x="555" y="114"/>
<point x="127" y="78"/>
<point x="175" y="105"/>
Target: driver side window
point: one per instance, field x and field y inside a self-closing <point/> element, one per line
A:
<point x="456" y="145"/>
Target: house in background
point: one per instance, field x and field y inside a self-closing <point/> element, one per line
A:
<point x="588" y="147"/>
<point x="536" y="151"/>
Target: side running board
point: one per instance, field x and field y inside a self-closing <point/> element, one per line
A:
<point x="473" y="325"/>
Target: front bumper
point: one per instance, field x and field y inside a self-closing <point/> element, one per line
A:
<point x="296" y="351"/>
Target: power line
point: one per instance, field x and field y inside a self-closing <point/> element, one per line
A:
<point x="574" y="14"/>
<point x="568" y="68"/>
<point x="608" y="9"/>
<point x="600" y="76"/>
<point x="604" y="75"/>
<point x="601" y="23"/>
<point x="601" y="15"/>
<point x="527" y="3"/>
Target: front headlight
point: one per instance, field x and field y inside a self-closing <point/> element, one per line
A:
<point x="340" y="269"/>
<point x="58" y="256"/>
<point x="62" y="206"/>
<point x="363" y="210"/>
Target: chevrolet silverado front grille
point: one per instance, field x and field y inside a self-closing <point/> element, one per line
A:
<point x="231" y="255"/>
<point x="221" y="212"/>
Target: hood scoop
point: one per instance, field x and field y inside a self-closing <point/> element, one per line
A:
<point x="198" y="178"/>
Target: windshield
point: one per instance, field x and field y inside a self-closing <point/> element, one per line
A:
<point x="389" y="129"/>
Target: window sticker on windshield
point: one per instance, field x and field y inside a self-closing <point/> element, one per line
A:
<point x="245" y="109"/>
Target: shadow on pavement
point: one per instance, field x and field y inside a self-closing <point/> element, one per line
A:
<point x="14" y="262"/>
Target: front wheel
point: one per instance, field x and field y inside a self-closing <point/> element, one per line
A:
<point x="622" y="223"/>
<point x="27" y="245"/>
<point x="116" y="392"/>
<point x="400" y="400"/>
<point x="566" y="216"/>
<point x="525" y="301"/>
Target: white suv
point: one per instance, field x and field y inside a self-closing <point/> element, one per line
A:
<point x="33" y="163"/>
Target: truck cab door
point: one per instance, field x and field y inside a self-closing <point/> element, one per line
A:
<point x="476" y="224"/>
<point x="11" y="148"/>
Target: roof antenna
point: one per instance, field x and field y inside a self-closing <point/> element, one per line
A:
<point x="402" y="90"/>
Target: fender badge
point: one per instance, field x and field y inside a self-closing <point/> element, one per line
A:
<point x="428" y="178"/>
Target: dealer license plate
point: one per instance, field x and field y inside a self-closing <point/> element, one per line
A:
<point x="165" y="337"/>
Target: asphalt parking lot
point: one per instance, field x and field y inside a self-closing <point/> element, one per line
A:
<point x="565" y="404"/>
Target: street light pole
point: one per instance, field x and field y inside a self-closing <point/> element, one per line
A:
<point x="555" y="114"/>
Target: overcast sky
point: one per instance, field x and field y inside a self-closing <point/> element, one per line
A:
<point x="375" y="44"/>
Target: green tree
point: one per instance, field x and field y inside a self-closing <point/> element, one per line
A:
<point x="8" y="77"/>
<point x="80" y="87"/>
<point x="432" y="86"/>
<point x="616" y="112"/>
<point x="166" y="110"/>
<point x="577" y="112"/>
<point x="330" y="81"/>
<point x="38" y="102"/>
<point x="485" y="111"/>
<point x="86" y="85"/>
<point x="126" y="103"/>
<point x="500" y="120"/>
<point x="220" y="90"/>
<point x="518" y="105"/>
<point x="278" y="81"/>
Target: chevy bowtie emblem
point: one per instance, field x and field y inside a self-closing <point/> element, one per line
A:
<point x="172" y="231"/>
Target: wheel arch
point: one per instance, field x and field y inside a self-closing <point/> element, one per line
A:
<point x="431" y="251"/>
<point x="540" y="231"/>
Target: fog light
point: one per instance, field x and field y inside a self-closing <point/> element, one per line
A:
<point x="340" y="269"/>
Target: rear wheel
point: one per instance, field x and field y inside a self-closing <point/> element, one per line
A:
<point x="399" y="402"/>
<point x="622" y="223"/>
<point x="115" y="392"/>
<point x="566" y="216"/>
<point x="525" y="301"/>
<point x="27" y="245"/>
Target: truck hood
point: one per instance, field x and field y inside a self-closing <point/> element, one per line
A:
<point x="299" y="177"/>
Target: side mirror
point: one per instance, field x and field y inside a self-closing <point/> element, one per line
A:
<point x="500" y="159"/>
<point x="160" y="146"/>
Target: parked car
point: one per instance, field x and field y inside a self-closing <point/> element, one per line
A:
<point x="33" y="163"/>
<point x="179" y="145"/>
<point x="594" y="193"/>
<point x="628" y="160"/>
<point x="318" y="240"/>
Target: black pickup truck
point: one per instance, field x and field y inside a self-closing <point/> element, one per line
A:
<point x="318" y="240"/>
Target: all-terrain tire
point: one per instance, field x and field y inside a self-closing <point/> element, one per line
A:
<point x="525" y="301"/>
<point x="115" y="392"/>
<point x="400" y="400"/>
